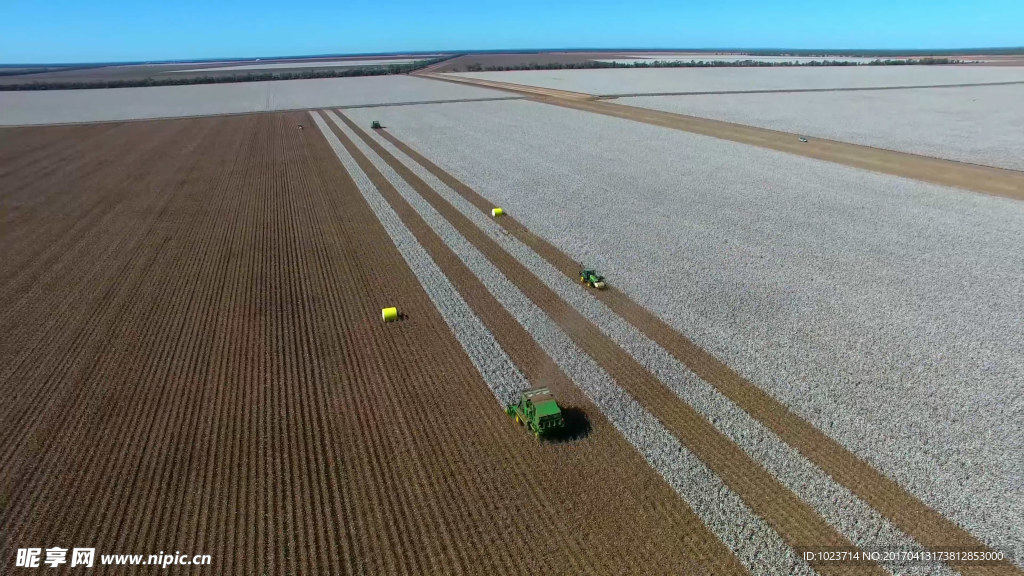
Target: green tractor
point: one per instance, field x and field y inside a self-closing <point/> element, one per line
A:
<point x="590" y="277"/>
<point x="375" y="125"/>
<point x="538" y="411"/>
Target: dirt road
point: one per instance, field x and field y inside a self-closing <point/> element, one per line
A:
<point x="977" y="178"/>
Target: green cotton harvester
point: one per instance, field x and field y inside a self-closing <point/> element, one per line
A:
<point x="590" y="277"/>
<point x="538" y="411"/>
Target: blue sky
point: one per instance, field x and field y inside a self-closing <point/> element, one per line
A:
<point x="64" y="31"/>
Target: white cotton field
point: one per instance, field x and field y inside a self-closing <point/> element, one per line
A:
<point x="840" y="508"/>
<point x="700" y="80"/>
<point x="885" y="311"/>
<point x="105" y="104"/>
<point x="977" y="124"/>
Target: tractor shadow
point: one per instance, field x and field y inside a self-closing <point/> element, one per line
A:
<point x="576" y="426"/>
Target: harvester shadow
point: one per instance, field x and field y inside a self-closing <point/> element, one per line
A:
<point x="576" y="426"/>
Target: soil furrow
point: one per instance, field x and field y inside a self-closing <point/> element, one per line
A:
<point x="95" y="409"/>
<point x="109" y="314"/>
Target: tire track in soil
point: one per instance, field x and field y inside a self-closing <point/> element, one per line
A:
<point x="899" y="506"/>
<point x="539" y="367"/>
<point x="793" y="519"/>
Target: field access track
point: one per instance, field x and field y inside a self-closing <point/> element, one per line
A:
<point x="193" y="360"/>
<point x="894" y="502"/>
<point x="793" y="519"/>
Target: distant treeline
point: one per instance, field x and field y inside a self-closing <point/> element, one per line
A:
<point x="813" y="52"/>
<point x="699" y="64"/>
<point x="222" y="79"/>
<point x="20" y="71"/>
<point x="8" y="70"/>
<point x="1010" y="51"/>
<point x="916" y="61"/>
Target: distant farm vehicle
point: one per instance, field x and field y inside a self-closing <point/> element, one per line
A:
<point x="538" y="411"/>
<point x="590" y="277"/>
<point x="802" y="139"/>
<point x="376" y="125"/>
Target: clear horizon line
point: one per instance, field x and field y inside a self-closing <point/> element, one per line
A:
<point x="822" y="51"/>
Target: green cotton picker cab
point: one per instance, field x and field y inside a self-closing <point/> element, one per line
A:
<point x="538" y="411"/>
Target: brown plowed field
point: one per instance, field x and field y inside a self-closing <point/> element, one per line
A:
<point x="192" y="360"/>
<point x="907" y="512"/>
<point x="794" y="520"/>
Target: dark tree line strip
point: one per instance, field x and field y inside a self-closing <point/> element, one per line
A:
<point x="255" y="76"/>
